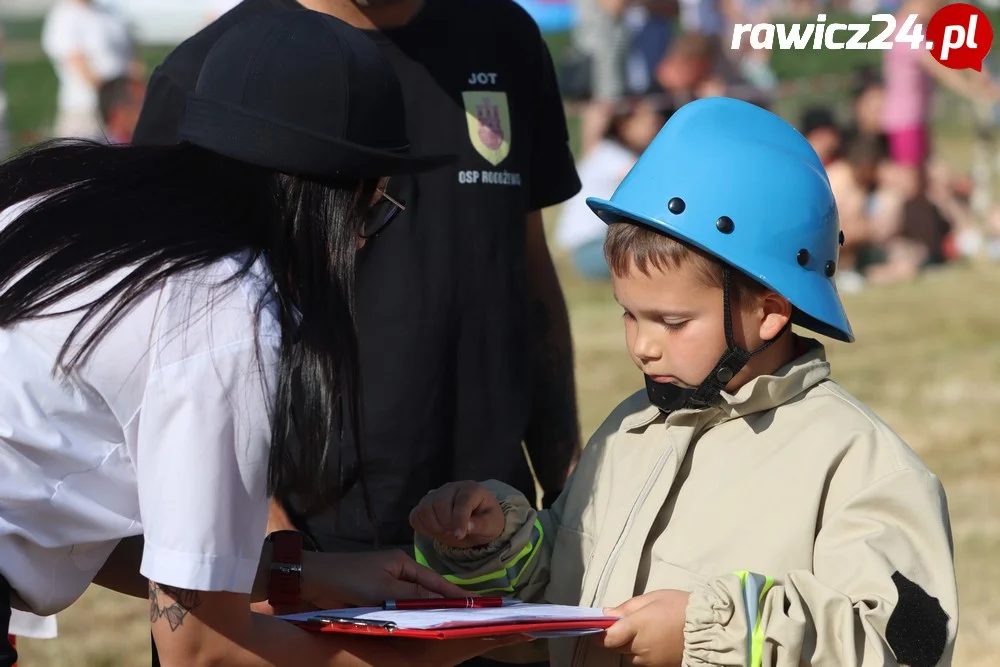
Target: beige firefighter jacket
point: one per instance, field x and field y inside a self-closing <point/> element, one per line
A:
<point x="807" y="532"/>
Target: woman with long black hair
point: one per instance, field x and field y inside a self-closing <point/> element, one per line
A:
<point x="177" y="344"/>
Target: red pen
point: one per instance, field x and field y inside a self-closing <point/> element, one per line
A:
<point x="444" y="603"/>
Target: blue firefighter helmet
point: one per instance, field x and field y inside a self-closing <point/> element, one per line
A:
<point x="743" y="185"/>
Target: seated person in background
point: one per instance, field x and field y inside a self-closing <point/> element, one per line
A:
<point x="869" y="211"/>
<point x="924" y="224"/>
<point x="120" y="102"/>
<point x="912" y="234"/>
<point x="634" y="125"/>
<point x="867" y="98"/>
<point x="820" y="129"/>
<point x="952" y="193"/>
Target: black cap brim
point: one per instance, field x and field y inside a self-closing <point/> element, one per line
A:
<point x="237" y="134"/>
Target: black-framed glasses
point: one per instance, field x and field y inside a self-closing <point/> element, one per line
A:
<point x="383" y="211"/>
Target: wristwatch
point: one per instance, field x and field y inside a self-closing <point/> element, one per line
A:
<point x="284" y="586"/>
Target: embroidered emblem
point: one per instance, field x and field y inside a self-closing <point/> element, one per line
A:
<point x="489" y="124"/>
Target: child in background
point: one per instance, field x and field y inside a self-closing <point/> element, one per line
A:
<point x="820" y="128"/>
<point x="744" y="509"/>
<point x="120" y="103"/>
<point x="579" y="232"/>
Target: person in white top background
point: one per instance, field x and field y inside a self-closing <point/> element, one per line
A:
<point x="178" y="345"/>
<point x="578" y="231"/>
<point x="88" y="43"/>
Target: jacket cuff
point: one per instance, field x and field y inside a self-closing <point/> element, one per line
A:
<point x="517" y="513"/>
<point x="715" y="625"/>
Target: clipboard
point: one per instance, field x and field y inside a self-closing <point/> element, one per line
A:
<point x="562" y="622"/>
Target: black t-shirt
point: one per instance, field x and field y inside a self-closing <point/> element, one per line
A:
<point x="442" y="302"/>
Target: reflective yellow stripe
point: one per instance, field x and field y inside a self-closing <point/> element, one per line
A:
<point x="755" y="588"/>
<point x="501" y="580"/>
<point x="757" y="654"/>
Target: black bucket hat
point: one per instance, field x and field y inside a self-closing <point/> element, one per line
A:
<point x="302" y="93"/>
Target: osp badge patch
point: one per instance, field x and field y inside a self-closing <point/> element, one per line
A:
<point x="489" y="123"/>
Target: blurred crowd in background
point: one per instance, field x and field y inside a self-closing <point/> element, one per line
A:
<point x="630" y="63"/>
<point x="902" y="208"/>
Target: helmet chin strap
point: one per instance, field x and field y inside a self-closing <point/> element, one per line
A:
<point x="670" y="397"/>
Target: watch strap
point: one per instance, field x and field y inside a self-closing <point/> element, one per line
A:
<point x="285" y="582"/>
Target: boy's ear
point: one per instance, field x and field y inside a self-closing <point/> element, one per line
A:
<point x="775" y="312"/>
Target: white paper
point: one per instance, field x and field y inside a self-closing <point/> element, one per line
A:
<point x="425" y="619"/>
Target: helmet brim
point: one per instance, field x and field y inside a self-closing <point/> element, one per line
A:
<point x="817" y="305"/>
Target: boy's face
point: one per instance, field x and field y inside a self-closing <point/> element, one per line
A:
<point x="674" y="324"/>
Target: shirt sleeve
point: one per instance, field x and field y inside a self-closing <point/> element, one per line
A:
<point x="882" y="592"/>
<point x="162" y="111"/>
<point x="201" y="460"/>
<point x="553" y="178"/>
<point x="61" y="37"/>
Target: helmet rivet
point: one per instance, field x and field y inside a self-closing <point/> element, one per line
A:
<point x="724" y="374"/>
<point x="725" y="225"/>
<point x="802" y="257"/>
<point x="829" y="269"/>
<point x="841" y="237"/>
<point x="675" y="205"/>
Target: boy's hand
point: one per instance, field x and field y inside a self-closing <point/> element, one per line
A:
<point x="651" y="630"/>
<point x="459" y="515"/>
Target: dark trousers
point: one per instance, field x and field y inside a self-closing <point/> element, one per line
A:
<point x="8" y="656"/>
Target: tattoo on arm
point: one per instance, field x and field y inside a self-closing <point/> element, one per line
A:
<point x="161" y="606"/>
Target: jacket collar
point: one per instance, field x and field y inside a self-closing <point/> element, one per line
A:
<point x="763" y="393"/>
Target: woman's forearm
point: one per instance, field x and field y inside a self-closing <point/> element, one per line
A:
<point x="120" y="571"/>
<point x="191" y="629"/>
<point x="266" y="641"/>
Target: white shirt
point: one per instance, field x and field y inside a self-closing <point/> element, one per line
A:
<point x="601" y="170"/>
<point x="163" y="432"/>
<point x="25" y="624"/>
<point x="96" y="32"/>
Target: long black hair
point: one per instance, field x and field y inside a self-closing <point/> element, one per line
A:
<point x="153" y="212"/>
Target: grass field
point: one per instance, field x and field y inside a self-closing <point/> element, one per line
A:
<point x="927" y="359"/>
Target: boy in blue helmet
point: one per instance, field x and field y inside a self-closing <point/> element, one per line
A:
<point x="744" y="509"/>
